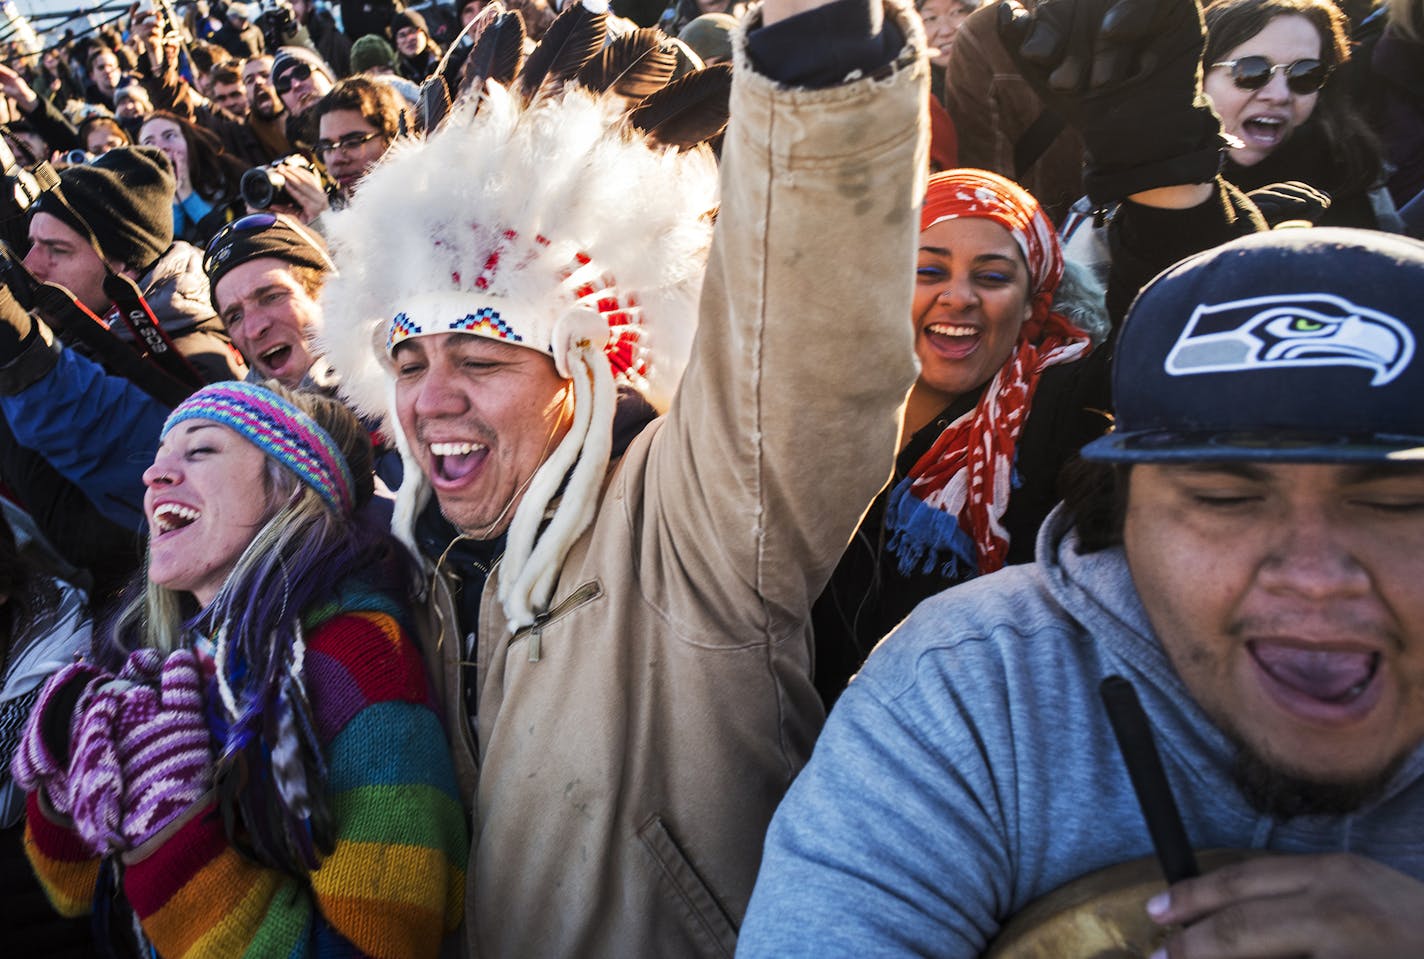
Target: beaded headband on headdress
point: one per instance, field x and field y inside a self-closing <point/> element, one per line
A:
<point x="277" y="428"/>
<point x="542" y="213"/>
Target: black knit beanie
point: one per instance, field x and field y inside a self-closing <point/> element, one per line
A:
<point x="408" y="18"/>
<point x="259" y="235"/>
<point x="288" y="57"/>
<point x="125" y="197"/>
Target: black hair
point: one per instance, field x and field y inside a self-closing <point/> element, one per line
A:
<point x="1095" y="496"/>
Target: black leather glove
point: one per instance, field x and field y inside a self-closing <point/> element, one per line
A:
<point x="16" y="326"/>
<point x="1124" y="74"/>
<point x="1290" y="202"/>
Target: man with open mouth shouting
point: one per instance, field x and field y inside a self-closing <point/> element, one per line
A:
<point x="266" y="272"/>
<point x="625" y="655"/>
<point x="1246" y="549"/>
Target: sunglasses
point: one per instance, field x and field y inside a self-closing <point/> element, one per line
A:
<point x="351" y="141"/>
<point x="283" y="84"/>
<point x="1252" y="73"/>
<point x="252" y="223"/>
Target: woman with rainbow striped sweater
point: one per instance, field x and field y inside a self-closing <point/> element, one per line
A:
<point x="253" y="757"/>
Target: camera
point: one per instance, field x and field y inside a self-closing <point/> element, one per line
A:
<point x="154" y="10"/>
<point x="19" y="188"/>
<point x="76" y="157"/>
<point x="277" y="22"/>
<point x="265" y="185"/>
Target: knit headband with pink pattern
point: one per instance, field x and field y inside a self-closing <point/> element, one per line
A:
<point x="277" y="428"/>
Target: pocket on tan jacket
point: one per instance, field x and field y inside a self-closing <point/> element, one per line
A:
<point x="708" y="926"/>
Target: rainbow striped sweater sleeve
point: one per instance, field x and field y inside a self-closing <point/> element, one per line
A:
<point x="393" y="885"/>
<point x="65" y="867"/>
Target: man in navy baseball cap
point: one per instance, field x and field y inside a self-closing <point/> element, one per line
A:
<point x="1246" y="549"/>
<point x="1295" y="346"/>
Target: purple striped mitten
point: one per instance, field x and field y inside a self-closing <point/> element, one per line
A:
<point x="96" y="786"/>
<point x="164" y="748"/>
<point x="96" y="778"/>
<point x="142" y="754"/>
<point x="42" y="760"/>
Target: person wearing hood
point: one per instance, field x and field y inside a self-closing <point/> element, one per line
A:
<point x="1242" y="550"/>
<point x="1247" y="557"/>
<point x="419" y="55"/>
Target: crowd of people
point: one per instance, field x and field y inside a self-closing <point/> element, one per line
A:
<point x="527" y="478"/>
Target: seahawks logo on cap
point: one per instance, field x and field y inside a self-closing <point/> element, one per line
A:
<point x="1271" y="332"/>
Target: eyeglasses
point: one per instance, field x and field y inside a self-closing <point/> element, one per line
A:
<point x="349" y="142"/>
<point x="1252" y="73"/>
<point x="252" y="223"/>
<point x="283" y="84"/>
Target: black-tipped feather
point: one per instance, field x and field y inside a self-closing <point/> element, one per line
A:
<point x="634" y="66"/>
<point x="434" y="102"/>
<point x="572" y="40"/>
<point x="498" y="53"/>
<point x="688" y="111"/>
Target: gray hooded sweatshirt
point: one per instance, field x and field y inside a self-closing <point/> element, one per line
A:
<point x="970" y="769"/>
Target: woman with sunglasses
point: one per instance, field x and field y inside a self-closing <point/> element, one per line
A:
<point x="253" y="753"/>
<point x="1296" y="148"/>
<point x="1269" y="69"/>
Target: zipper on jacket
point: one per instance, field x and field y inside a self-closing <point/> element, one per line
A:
<point x="586" y="593"/>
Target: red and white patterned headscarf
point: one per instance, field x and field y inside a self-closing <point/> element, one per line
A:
<point x="947" y="513"/>
<point x="979" y="193"/>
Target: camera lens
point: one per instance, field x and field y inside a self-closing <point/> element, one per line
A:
<point x="260" y="187"/>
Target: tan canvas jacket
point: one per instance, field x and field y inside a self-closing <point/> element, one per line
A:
<point x="626" y="777"/>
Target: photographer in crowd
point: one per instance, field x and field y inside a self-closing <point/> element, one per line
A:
<point x="107" y="220"/>
<point x="356" y="123"/>
<point x="301" y="24"/>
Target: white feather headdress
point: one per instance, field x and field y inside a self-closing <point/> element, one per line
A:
<point x="553" y="226"/>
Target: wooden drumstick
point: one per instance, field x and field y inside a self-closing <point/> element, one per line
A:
<point x="1149" y="782"/>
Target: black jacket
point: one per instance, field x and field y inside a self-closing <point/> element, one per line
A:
<point x="1306" y="156"/>
<point x="868" y="595"/>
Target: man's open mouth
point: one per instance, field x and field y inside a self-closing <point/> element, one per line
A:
<point x="277" y="357"/>
<point x="1330" y="676"/>
<point x="453" y="461"/>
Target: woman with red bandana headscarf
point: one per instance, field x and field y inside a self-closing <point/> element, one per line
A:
<point x="1008" y="390"/>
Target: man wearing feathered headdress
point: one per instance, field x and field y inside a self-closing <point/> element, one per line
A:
<point x="625" y="541"/>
